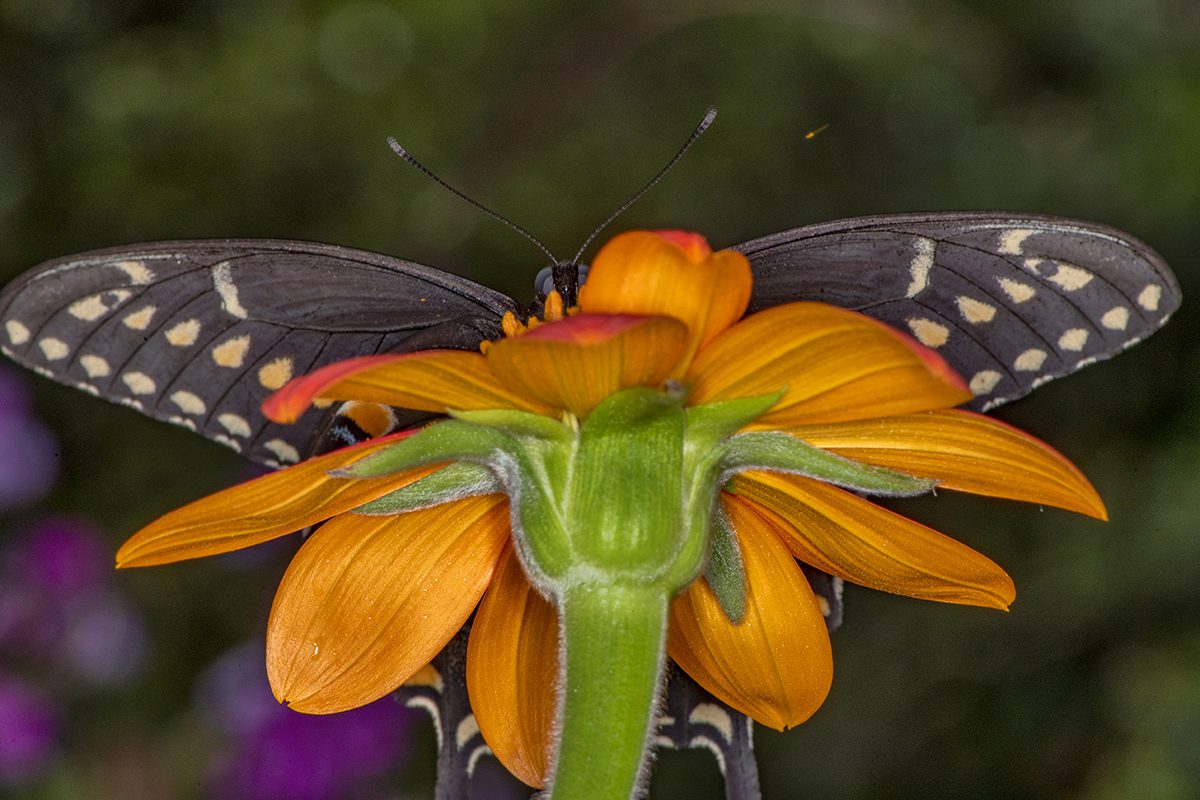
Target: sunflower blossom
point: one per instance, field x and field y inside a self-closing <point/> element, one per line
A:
<point x="637" y="477"/>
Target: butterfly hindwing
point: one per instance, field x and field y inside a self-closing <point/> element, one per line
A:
<point x="198" y="333"/>
<point x="1009" y="301"/>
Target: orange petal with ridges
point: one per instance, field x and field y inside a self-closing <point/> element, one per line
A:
<point x="669" y="276"/>
<point x="431" y="380"/>
<point x="964" y="451"/>
<point x="776" y="666"/>
<point x="579" y="361"/>
<point x="261" y="509"/>
<point x="852" y="538"/>
<point x="368" y="601"/>
<point x="512" y="672"/>
<point x="836" y="364"/>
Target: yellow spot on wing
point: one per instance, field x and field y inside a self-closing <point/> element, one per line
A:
<point x="275" y="374"/>
<point x="140" y="320"/>
<point x="235" y="424"/>
<point x="53" y="349"/>
<point x="94" y="366"/>
<point x="984" y="381"/>
<point x="1030" y="361"/>
<point x="188" y="403"/>
<point x="1011" y="241"/>
<point x="974" y="311"/>
<point x="1017" y="292"/>
<point x="1073" y="339"/>
<point x="921" y="264"/>
<point x="1070" y="277"/>
<point x="1116" y="318"/>
<point x="285" y="451"/>
<point x="1150" y="297"/>
<point x="928" y="332"/>
<point x="139" y="274"/>
<point x="231" y="353"/>
<point x="17" y="332"/>
<point x="139" y="383"/>
<point x="184" y="334"/>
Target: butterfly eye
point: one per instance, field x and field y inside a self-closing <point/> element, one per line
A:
<point x="543" y="283"/>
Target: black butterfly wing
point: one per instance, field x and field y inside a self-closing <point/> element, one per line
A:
<point x="198" y="333"/>
<point x="1009" y="301"/>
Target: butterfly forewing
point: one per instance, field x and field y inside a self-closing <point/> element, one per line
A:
<point x="198" y="333"/>
<point x="1010" y="302"/>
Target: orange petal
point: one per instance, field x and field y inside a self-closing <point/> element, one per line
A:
<point x="836" y="365"/>
<point x="512" y="672"/>
<point x="577" y="362"/>
<point x="264" y="508"/>
<point x="852" y="538"/>
<point x="431" y="380"/>
<point x="669" y="275"/>
<point x="776" y="665"/>
<point x="964" y="451"/>
<point x="368" y="601"/>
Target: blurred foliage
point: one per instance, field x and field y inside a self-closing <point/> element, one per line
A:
<point x="138" y="120"/>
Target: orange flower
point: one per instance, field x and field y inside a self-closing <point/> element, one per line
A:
<point x="369" y="600"/>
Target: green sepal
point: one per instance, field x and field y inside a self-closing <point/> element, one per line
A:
<point x="454" y="482"/>
<point x="725" y="572"/>
<point x="517" y="423"/>
<point x="780" y="452"/>
<point x="710" y="423"/>
<point x="449" y="440"/>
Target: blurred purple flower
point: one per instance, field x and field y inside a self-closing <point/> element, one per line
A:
<point x="28" y="733"/>
<point x="58" y="606"/>
<point x="28" y="451"/>
<point x="276" y="752"/>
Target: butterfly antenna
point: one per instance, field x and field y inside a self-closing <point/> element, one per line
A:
<point x="399" y="150"/>
<point x="709" y="116"/>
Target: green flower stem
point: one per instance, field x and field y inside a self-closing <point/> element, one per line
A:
<point x="613" y="639"/>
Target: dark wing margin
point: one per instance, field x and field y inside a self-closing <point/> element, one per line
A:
<point x="1010" y="301"/>
<point x="198" y="333"/>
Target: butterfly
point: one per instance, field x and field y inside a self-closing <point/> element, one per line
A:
<point x="198" y="333"/>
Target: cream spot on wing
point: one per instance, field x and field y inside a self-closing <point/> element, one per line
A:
<point x="286" y="453"/>
<point x="184" y="334"/>
<point x="1086" y="362"/>
<point x="921" y="264"/>
<point x="1030" y="361"/>
<point x="188" y="402"/>
<point x="1041" y="379"/>
<point x="95" y="366"/>
<point x="228" y="442"/>
<point x="715" y="716"/>
<point x="984" y="381"/>
<point x="139" y="274"/>
<point x="1032" y="264"/>
<point x="17" y="332"/>
<point x="93" y="307"/>
<point x="140" y="320"/>
<point x="275" y="374"/>
<point x="222" y="276"/>
<point x="139" y="383"/>
<point x="466" y="729"/>
<point x="235" y="424"/>
<point x="1073" y="339"/>
<point x="928" y="332"/>
<point x="1150" y="296"/>
<point x="1017" y="292"/>
<point x="1070" y="277"/>
<point x="1012" y="240"/>
<point x="476" y="754"/>
<point x="182" y="422"/>
<point x="129" y="401"/>
<point x="1116" y="318"/>
<point x="87" y="387"/>
<point x="53" y="349"/>
<point x="1131" y="342"/>
<point x="231" y="353"/>
<point x="974" y="311"/>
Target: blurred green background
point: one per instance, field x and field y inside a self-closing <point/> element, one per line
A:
<point x="134" y="121"/>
